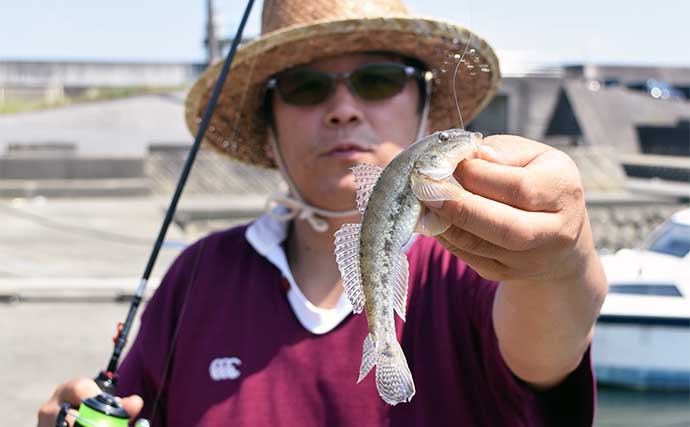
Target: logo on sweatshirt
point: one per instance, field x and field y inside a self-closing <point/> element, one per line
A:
<point x="224" y="368"/>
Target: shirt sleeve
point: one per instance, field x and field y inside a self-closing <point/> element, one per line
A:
<point x="570" y="403"/>
<point x="144" y="368"/>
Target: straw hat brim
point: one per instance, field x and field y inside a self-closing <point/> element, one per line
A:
<point x="237" y="128"/>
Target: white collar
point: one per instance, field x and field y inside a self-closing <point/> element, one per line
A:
<point x="266" y="236"/>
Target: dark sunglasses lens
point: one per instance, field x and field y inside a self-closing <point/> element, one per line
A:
<point x="304" y="87"/>
<point x="378" y="81"/>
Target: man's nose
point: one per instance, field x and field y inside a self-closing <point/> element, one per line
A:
<point x="343" y="107"/>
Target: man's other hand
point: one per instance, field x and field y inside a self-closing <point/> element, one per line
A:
<point x="73" y="392"/>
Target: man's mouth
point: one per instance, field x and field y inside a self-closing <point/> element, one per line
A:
<point x="347" y="149"/>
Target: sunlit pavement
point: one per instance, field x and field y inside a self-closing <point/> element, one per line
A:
<point x="64" y="265"/>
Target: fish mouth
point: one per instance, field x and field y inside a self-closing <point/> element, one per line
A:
<point x="345" y="149"/>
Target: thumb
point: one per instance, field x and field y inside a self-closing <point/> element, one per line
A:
<point x="133" y="404"/>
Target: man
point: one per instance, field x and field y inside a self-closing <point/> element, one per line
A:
<point x="250" y="325"/>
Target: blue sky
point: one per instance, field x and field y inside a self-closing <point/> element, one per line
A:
<point x="553" y="31"/>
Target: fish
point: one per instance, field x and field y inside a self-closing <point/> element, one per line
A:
<point x="373" y="266"/>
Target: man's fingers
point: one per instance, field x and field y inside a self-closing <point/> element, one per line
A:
<point x="548" y="182"/>
<point x="468" y="242"/>
<point x="488" y="268"/>
<point x="133" y="404"/>
<point x="511" y="150"/>
<point x="498" y="223"/>
<point x="520" y="187"/>
<point x="72" y="392"/>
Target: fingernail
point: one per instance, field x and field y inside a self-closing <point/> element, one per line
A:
<point x="489" y="153"/>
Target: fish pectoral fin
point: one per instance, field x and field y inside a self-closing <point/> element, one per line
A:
<point x="430" y="223"/>
<point x="368" y="358"/>
<point x="347" y="257"/>
<point x="439" y="171"/>
<point x="366" y="176"/>
<point x="431" y="190"/>
<point x="400" y="280"/>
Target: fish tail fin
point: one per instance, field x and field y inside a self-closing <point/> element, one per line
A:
<point x="393" y="377"/>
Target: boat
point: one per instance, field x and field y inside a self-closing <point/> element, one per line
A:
<point x="642" y="336"/>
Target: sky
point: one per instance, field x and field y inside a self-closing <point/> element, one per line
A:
<point x="536" y="31"/>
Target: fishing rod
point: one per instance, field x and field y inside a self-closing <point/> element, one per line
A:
<point x="103" y="410"/>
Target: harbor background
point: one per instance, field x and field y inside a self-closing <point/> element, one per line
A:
<point x="90" y="151"/>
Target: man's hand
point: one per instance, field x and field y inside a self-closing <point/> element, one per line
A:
<point x="522" y="220"/>
<point x="523" y="216"/>
<point x="73" y="392"/>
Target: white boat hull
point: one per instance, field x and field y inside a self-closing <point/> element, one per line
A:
<point x="642" y="352"/>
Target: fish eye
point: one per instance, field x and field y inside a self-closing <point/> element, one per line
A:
<point x="443" y="136"/>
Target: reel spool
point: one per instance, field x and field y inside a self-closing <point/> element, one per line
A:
<point x="98" y="411"/>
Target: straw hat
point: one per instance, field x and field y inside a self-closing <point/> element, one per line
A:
<point x="296" y="32"/>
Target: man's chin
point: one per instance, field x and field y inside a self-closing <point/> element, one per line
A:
<point x="339" y="197"/>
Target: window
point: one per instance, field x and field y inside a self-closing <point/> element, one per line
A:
<point x="671" y="239"/>
<point x="661" y="290"/>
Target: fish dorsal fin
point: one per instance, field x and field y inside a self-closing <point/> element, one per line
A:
<point x="366" y="176"/>
<point x="347" y="257"/>
<point x="400" y="278"/>
<point x="429" y="189"/>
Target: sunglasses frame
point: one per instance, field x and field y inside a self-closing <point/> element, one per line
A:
<point x="409" y="70"/>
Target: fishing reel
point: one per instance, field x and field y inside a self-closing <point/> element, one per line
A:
<point x="99" y="411"/>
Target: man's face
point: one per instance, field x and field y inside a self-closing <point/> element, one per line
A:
<point x="320" y="143"/>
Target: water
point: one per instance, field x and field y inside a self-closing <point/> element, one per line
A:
<point x="625" y="408"/>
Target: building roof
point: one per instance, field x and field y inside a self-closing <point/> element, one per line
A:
<point x="609" y="116"/>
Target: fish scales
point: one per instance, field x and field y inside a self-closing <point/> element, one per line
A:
<point x="370" y="255"/>
<point x="387" y="224"/>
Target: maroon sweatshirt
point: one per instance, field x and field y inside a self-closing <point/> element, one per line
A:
<point x="241" y="357"/>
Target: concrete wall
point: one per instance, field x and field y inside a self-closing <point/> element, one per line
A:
<point x="90" y="74"/>
<point x="38" y="168"/>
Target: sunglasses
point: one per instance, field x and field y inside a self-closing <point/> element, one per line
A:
<point x="370" y="82"/>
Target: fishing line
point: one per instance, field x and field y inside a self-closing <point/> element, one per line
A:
<point x="457" y="66"/>
<point x="75" y="230"/>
